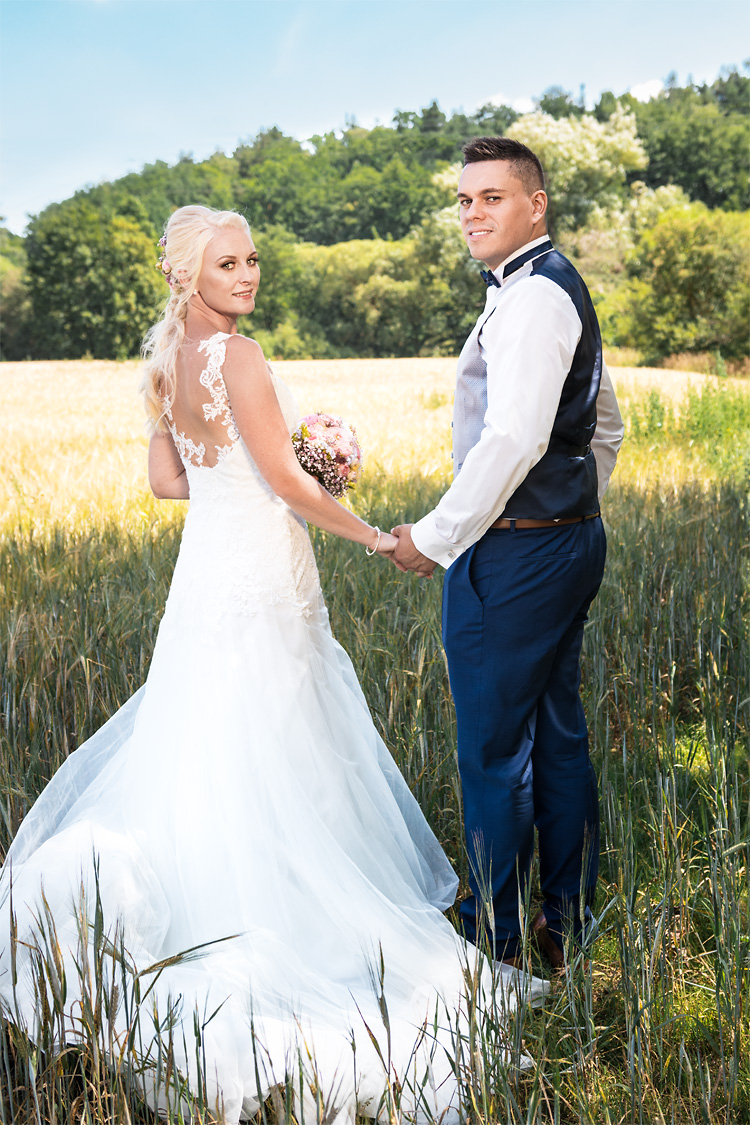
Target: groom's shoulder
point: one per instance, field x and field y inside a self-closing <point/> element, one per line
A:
<point x="549" y="266"/>
<point x="555" y="267"/>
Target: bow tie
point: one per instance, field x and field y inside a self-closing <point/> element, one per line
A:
<point x="489" y="278"/>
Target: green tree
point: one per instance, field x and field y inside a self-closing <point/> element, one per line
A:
<point x="489" y="120"/>
<point x="332" y="306"/>
<point x="151" y="195"/>
<point x="385" y="204"/>
<point x="690" y="284"/>
<point x="16" y="324"/>
<point x="434" y="138"/>
<point x="449" y="290"/>
<point x="356" y="146"/>
<point x="731" y="90"/>
<point x="559" y="103"/>
<point x="358" y="254"/>
<point x="325" y="197"/>
<point x="418" y="295"/>
<point x="692" y="142"/>
<point x="93" y="286"/>
<point x="275" y="320"/>
<point x="608" y="103"/>
<point x="282" y="190"/>
<point x="601" y="248"/>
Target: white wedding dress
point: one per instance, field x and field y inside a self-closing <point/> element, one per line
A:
<point x="243" y="793"/>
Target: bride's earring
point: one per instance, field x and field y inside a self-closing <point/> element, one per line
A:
<point x="195" y="292"/>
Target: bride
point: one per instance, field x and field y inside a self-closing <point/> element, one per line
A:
<point x="241" y="802"/>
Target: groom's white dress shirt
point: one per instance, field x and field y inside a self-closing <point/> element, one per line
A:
<point x="528" y="344"/>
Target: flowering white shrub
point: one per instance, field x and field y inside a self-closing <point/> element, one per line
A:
<point x="585" y="160"/>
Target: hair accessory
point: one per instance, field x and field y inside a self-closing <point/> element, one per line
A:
<point x="163" y="265"/>
<point x="368" y="551"/>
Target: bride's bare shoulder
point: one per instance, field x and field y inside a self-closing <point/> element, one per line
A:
<point x="243" y="345"/>
<point x="244" y="356"/>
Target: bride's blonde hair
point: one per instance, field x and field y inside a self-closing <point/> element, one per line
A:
<point x="188" y="233"/>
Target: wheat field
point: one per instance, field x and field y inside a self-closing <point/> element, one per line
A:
<point x="652" y="1026"/>
<point x="75" y="436"/>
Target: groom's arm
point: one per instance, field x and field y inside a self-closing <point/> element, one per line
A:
<point x="610" y="431"/>
<point x="528" y="344"/>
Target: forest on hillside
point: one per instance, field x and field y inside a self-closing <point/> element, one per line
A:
<point x="359" y="239"/>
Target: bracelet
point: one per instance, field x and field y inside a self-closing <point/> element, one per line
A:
<point x="368" y="551"/>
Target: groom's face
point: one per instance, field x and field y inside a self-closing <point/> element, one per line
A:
<point x="498" y="215"/>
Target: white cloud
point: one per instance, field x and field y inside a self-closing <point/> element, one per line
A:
<point x="520" y="105"/>
<point x="644" y="91"/>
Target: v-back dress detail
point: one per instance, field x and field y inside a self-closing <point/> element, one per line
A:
<point x="243" y="549"/>
<point x="243" y="793"/>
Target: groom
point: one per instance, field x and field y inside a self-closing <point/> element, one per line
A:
<point x="536" y="431"/>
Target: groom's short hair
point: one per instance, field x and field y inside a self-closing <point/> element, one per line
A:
<point x="526" y="164"/>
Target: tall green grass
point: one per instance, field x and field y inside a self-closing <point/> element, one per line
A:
<point x="652" y="1024"/>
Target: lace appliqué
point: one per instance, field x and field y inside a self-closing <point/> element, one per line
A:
<point x="218" y="408"/>
<point x="213" y="380"/>
<point x="186" y="447"/>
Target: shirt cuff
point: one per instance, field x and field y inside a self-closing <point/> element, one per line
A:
<point x="427" y="540"/>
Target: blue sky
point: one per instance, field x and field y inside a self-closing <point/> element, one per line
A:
<point x="92" y="89"/>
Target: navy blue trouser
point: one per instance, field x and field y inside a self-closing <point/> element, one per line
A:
<point x="514" y="607"/>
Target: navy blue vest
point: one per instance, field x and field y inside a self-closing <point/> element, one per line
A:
<point x="563" y="482"/>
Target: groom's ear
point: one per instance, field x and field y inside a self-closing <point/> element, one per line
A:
<point x="538" y="206"/>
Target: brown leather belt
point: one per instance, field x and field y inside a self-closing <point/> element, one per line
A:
<point x="504" y="524"/>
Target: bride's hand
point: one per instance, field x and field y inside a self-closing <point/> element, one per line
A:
<point x="387" y="544"/>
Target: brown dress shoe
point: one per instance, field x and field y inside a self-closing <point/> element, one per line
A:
<point x="547" y="943"/>
<point x="514" y="962"/>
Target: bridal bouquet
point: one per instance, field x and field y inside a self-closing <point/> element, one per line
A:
<point x="328" y="449"/>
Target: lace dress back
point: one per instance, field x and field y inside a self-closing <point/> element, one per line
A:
<point x="243" y="550"/>
<point x="199" y="416"/>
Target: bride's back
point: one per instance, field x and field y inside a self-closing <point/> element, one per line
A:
<point x="198" y="414"/>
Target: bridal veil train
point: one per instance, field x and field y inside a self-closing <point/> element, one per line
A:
<point x="242" y="806"/>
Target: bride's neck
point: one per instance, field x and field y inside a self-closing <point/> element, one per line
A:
<point x="202" y="320"/>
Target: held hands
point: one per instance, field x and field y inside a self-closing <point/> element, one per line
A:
<point x="406" y="556"/>
<point x="400" y="549"/>
<point x="386" y="545"/>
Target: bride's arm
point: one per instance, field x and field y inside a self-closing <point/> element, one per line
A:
<point x="166" y="472"/>
<point x="260" y="422"/>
